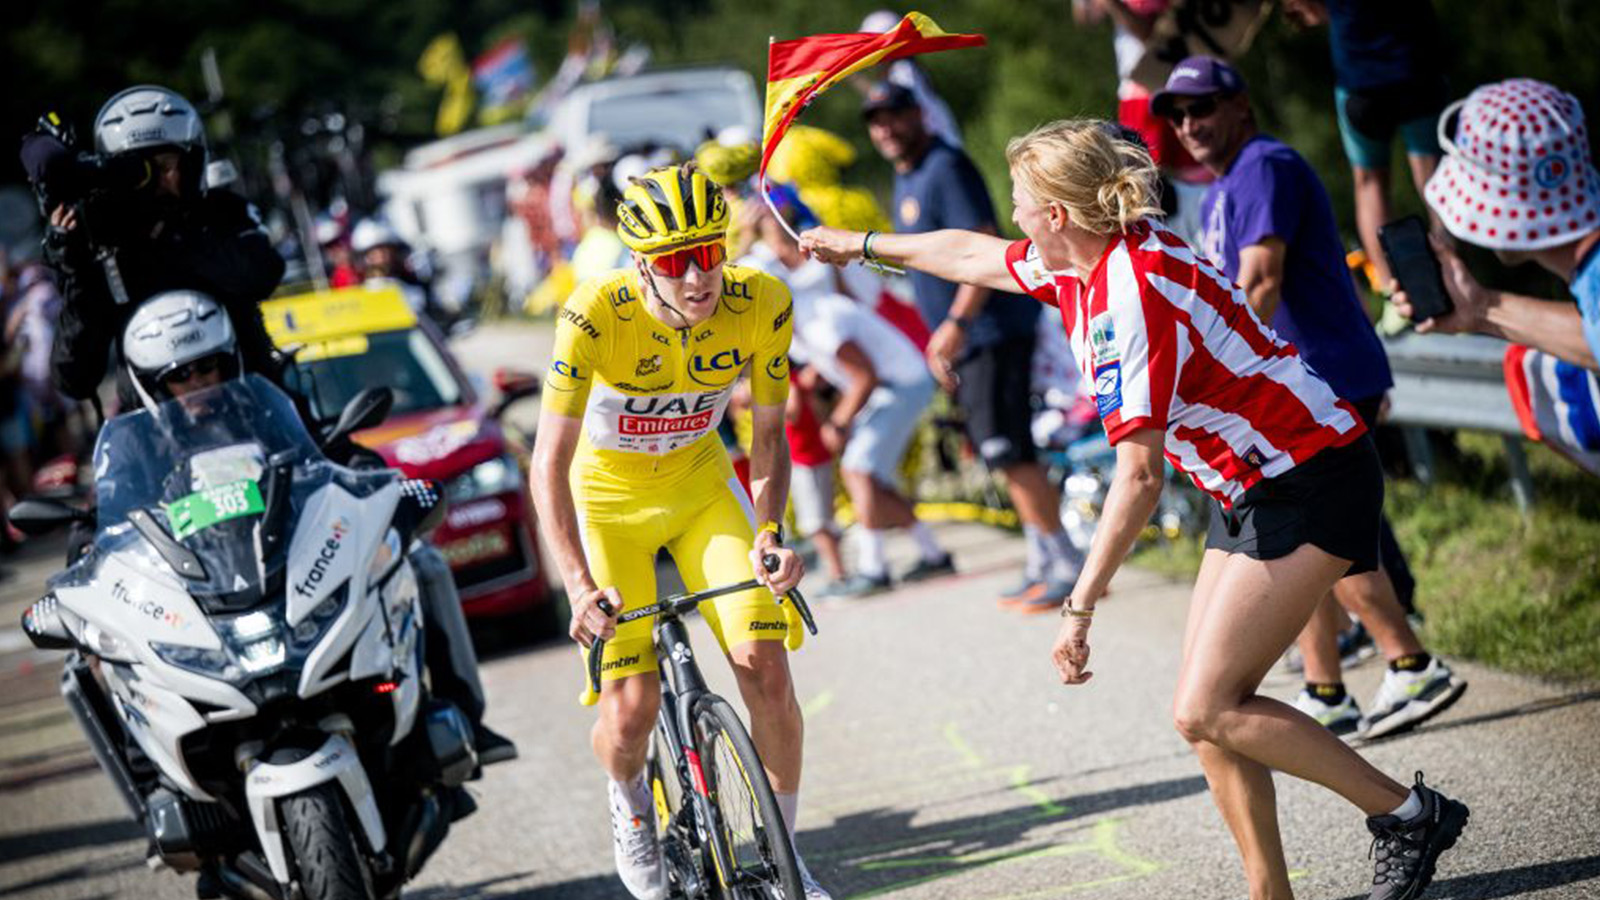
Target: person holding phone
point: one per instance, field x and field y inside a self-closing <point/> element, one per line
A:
<point x="1266" y="221"/>
<point x="1518" y="179"/>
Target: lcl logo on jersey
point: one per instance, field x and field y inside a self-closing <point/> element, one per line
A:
<point x="720" y="362"/>
<point x="562" y="367"/>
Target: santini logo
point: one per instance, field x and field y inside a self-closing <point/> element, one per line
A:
<point x="621" y="662"/>
<point x="769" y="626"/>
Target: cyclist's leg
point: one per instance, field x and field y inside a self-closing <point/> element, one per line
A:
<point x="714" y="549"/>
<point x="630" y="686"/>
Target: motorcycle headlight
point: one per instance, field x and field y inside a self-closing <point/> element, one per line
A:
<point x="210" y="663"/>
<point x="310" y="630"/>
<point x="257" y="643"/>
<point x="490" y="477"/>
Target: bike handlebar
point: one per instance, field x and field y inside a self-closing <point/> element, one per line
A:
<point x="681" y="603"/>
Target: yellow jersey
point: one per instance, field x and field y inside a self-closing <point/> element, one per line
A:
<point x="649" y="393"/>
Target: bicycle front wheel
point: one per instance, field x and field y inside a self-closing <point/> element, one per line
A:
<point x="756" y="860"/>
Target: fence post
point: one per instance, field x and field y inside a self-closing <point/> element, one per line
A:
<point x="1521" y="477"/>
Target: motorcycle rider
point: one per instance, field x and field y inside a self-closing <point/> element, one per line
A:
<point x="169" y="232"/>
<point x="177" y="345"/>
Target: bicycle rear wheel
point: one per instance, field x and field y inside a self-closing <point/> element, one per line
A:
<point x="749" y="824"/>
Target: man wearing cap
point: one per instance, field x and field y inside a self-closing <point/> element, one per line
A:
<point x="1267" y="222"/>
<point x="982" y="343"/>
<point x="1517" y="179"/>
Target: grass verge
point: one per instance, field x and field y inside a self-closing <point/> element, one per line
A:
<point x="1519" y="594"/>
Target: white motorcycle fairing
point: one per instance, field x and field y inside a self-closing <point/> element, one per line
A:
<point x="335" y="759"/>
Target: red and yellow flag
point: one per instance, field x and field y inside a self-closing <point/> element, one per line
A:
<point x="801" y="69"/>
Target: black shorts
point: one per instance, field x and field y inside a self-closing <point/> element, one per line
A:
<point x="1332" y="501"/>
<point x="995" y="395"/>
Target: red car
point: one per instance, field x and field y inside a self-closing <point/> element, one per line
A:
<point x="439" y="428"/>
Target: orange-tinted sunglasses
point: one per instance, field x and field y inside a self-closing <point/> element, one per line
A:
<point x="676" y="263"/>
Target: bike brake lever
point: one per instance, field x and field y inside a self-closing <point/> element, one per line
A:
<point x="770" y="563"/>
<point x="597" y="648"/>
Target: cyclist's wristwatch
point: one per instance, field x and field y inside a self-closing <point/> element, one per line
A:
<point x="775" y="527"/>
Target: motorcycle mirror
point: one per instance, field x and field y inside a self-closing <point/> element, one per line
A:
<point x="36" y="516"/>
<point x="513" y="385"/>
<point x="365" y="410"/>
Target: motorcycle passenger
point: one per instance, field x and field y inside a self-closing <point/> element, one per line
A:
<point x="115" y="248"/>
<point x="177" y="345"/>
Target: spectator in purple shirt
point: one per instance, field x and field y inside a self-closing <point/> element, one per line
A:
<point x="1266" y="221"/>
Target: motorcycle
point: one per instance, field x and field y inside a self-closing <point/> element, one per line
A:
<point x="244" y="649"/>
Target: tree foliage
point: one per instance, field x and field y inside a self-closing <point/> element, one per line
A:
<point x="282" y="60"/>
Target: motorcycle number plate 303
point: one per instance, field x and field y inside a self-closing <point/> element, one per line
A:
<point x="205" y="508"/>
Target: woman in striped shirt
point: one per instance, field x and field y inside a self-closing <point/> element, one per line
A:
<point x="1182" y="368"/>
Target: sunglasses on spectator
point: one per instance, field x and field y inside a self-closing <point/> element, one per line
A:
<point x="187" y="372"/>
<point x="1200" y="109"/>
<point x="676" y="263"/>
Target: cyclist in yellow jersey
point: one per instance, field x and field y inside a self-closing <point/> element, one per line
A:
<point x="628" y="461"/>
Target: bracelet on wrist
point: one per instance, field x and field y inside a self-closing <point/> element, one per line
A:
<point x="866" y="246"/>
<point x="1068" y="612"/>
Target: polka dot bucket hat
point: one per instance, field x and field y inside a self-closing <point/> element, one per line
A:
<point x="1517" y="175"/>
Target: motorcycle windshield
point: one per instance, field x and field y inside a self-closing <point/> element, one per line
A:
<point x="199" y="466"/>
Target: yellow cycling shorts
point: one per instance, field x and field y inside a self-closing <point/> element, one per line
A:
<point x="702" y="515"/>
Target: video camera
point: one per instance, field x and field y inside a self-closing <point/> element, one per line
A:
<point x="61" y="175"/>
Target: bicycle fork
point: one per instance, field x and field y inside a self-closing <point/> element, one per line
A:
<point x="681" y="693"/>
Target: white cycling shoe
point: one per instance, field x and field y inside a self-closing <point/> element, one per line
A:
<point x="638" y="853"/>
<point x="808" y="882"/>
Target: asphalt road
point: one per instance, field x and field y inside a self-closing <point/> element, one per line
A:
<point x="943" y="761"/>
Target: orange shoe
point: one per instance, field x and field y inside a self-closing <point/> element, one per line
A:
<point x="1038" y="597"/>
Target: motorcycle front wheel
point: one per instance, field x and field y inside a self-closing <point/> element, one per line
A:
<point x="324" y="846"/>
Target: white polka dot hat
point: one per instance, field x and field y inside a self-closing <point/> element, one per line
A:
<point x="1517" y="175"/>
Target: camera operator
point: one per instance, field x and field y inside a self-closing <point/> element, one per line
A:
<point x="134" y="219"/>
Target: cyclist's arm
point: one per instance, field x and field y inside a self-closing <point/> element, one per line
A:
<point x="965" y="257"/>
<point x="553" y="449"/>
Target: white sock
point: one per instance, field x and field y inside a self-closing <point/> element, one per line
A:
<point x="789" y="805"/>
<point x="873" y="560"/>
<point x="1034" y="561"/>
<point x="1065" y="560"/>
<point x="1410" y="809"/>
<point x="636" y="791"/>
<point x="929" y="547"/>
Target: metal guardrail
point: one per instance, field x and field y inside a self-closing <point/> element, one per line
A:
<point x="1455" y="382"/>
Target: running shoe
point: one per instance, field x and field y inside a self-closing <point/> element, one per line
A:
<point x="1407" y="851"/>
<point x="931" y="568"/>
<point x="1355" y="647"/>
<point x="1342" y="718"/>
<point x="862" y="585"/>
<point x="1021" y="590"/>
<point x="1045" y="596"/>
<point x="634" y="845"/>
<point x="1407" y="699"/>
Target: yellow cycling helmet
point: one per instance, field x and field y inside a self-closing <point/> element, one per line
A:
<point x="671" y="208"/>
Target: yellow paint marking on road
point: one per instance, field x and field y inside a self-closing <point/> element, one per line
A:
<point x="1102" y="842"/>
<point x="817" y="704"/>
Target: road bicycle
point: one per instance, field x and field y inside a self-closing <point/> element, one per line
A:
<point x="721" y="832"/>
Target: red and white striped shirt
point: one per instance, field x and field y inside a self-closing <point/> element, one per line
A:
<point x="1169" y="342"/>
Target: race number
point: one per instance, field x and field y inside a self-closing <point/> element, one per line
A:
<point x="203" y="509"/>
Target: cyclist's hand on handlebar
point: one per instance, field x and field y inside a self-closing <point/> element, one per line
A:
<point x="1071" y="651"/>
<point x="594" y="614"/>
<point x="786" y="575"/>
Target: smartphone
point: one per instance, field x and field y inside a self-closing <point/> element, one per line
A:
<point x="1405" y="243"/>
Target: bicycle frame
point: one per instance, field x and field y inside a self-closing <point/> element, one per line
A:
<point x="682" y="687"/>
<point x="682" y="690"/>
